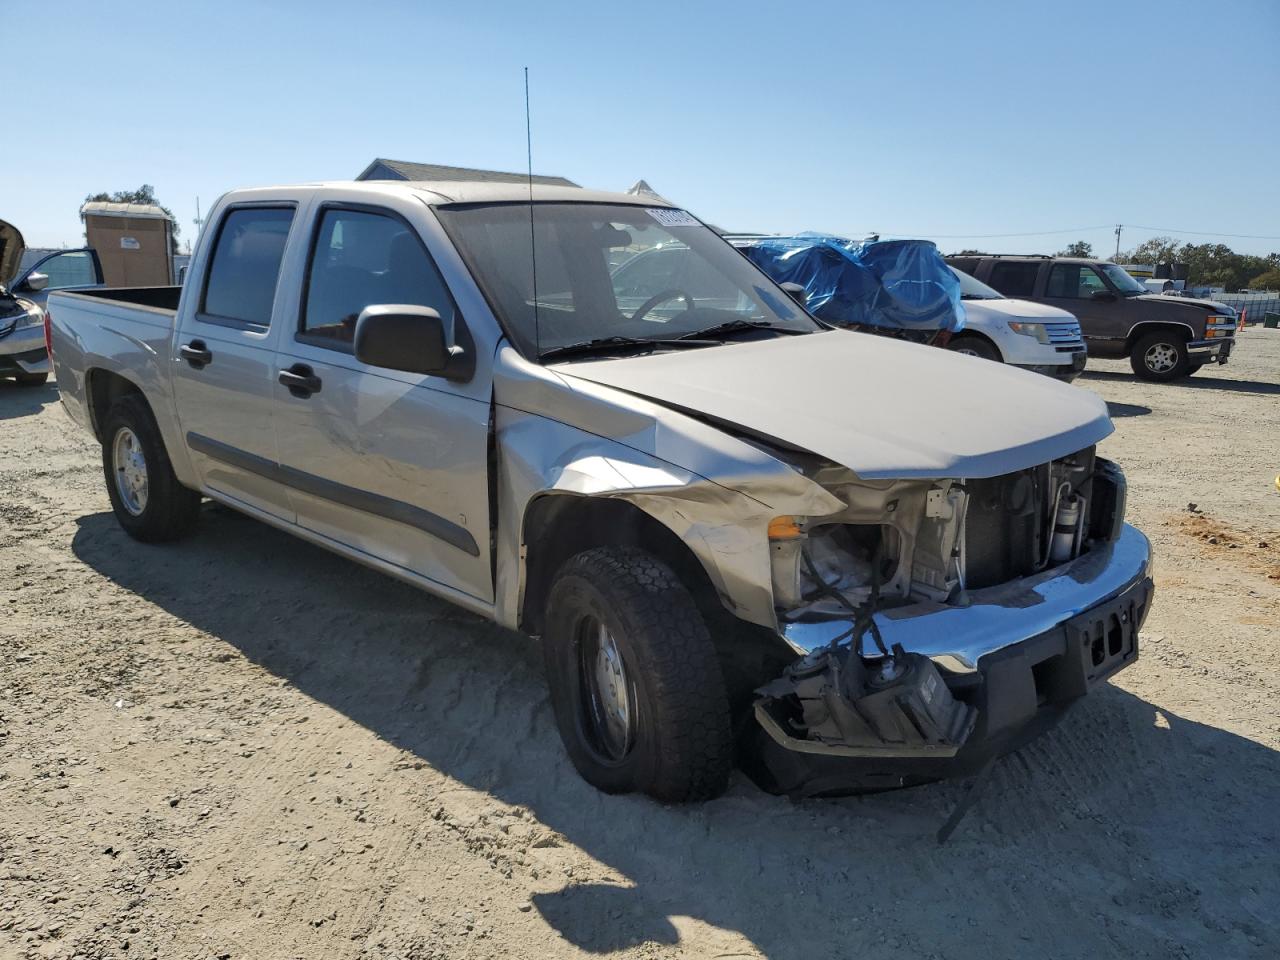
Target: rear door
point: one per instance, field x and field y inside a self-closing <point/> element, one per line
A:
<point x="393" y="464"/>
<point x="1076" y="288"/>
<point x="224" y="362"/>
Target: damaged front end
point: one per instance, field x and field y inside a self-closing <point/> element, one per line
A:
<point x="938" y="623"/>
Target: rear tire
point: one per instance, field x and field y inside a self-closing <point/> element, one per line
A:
<point x="1160" y="356"/>
<point x="975" y="347"/>
<point x="30" y="379"/>
<point x="637" y="689"/>
<point x="145" y="494"/>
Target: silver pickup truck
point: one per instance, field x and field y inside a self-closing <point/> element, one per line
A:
<point x="848" y="562"/>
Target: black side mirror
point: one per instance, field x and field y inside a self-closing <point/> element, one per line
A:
<point x="797" y="293"/>
<point x="402" y="336"/>
<point x="1102" y="295"/>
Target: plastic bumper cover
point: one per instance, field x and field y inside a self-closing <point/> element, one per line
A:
<point x="22" y="351"/>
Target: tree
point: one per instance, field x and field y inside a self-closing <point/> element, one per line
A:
<point x="971" y="253"/>
<point x="1153" y="251"/>
<point x="1080" y="248"/>
<point x="1266" y="281"/>
<point x="144" y="194"/>
<point x="1208" y="264"/>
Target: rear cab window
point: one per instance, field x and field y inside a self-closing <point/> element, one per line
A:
<point x="240" y="287"/>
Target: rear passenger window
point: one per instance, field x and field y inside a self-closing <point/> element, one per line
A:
<point x="361" y="259"/>
<point x="1013" y="278"/>
<point x="245" y="266"/>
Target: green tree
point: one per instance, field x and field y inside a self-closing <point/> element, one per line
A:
<point x="1080" y="248"/>
<point x="971" y="253"/>
<point x="1153" y="251"/>
<point x="144" y="194"/>
<point x="1266" y="281"/>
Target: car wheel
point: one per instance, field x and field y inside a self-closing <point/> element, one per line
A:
<point x="975" y="347"/>
<point x="30" y="379"/>
<point x="1160" y="356"/>
<point x="637" y="690"/>
<point x="145" y="494"/>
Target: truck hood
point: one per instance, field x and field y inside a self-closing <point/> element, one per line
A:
<point x="11" y="249"/>
<point x="1210" y="306"/>
<point x="883" y="408"/>
<point x="1021" y="310"/>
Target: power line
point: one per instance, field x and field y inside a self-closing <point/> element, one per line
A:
<point x="993" y="236"/>
<point x="1204" y="233"/>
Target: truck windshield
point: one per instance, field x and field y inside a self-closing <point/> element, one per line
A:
<point x="974" y="289"/>
<point x="1121" y="280"/>
<point x="614" y="277"/>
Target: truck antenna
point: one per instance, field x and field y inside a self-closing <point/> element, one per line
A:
<point x="533" y="242"/>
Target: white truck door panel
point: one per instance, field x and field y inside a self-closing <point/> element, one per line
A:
<point x="224" y="362"/>
<point x="393" y="464"/>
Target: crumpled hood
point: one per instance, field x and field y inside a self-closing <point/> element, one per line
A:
<point x="11" y="249"/>
<point x="1021" y="310"/>
<point x="883" y="408"/>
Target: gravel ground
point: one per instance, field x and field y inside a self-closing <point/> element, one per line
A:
<point x="241" y="746"/>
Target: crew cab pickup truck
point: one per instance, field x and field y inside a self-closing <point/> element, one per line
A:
<point x="1165" y="338"/>
<point x="857" y="562"/>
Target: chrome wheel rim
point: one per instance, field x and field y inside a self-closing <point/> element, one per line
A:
<point x="130" y="468"/>
<point x="609" y="713"/>
<point x="967" y="352"/>
<point x="1160" y="357"/>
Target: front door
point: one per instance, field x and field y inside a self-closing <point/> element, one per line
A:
<point x="224" y="362"/>
<point x="393" y="464"/>
<point x="1078" y="288"/>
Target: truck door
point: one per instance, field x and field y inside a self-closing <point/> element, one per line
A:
<point x="393" y="464"/>
<point x="224" y="362"/>
<point x="1078" y="288"/>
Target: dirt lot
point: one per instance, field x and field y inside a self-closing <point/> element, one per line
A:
<point x="244" y="747"/>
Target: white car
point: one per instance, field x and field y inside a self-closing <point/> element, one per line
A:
<point x="1018" y="332"/>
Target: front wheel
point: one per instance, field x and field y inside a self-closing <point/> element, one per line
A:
<point x="637" y="689"/>
<point x="974" y="347"/>
<point x="1160" y="356"/>
<point x="145" y="494"/>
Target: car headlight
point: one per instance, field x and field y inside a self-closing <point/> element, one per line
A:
<point x="33" y="318"/>
<point x="1036" y="330"/>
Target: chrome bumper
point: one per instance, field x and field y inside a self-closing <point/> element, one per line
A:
<point x="957" y="638"/>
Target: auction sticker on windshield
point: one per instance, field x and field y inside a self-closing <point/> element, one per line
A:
<point x="672" y="218"/>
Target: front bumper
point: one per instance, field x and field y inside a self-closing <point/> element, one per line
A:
<point x="1066" y="372"/>
<point x="1211" y="351"/>
<point x="23" y="351"/>
<point x="1019" y="653"/>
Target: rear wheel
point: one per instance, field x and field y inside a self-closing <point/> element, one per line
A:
<point x="1160" y="356"/>
<point x="30" y="379"/>
<point x="637" y="689"/>
<point x="145" y="494"/>
<point x="974" y="347"/>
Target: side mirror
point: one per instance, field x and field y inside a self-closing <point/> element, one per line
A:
<point x="1102" y="295"/>
<point x="797" y="293"/>
<point x="34" y="283"/>
<point x="406" y="337"/>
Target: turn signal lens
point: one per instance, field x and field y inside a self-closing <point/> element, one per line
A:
<point x="784" y="528"/>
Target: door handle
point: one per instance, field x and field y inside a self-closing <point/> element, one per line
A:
<point x="301" y="380"/>
<point x="196" y="354"/>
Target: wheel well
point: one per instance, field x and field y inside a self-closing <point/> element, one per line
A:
<point x="1140" y="330"/>
<point x="104" y="389"/>
<point x="559" y="526"/>
<point x="976" y="335"/>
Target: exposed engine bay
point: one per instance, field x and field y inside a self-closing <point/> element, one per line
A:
<point x="928" y="544"/>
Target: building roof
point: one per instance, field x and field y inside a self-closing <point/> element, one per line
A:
<point x="382" y="169"/>
<point x="103" y="208"/>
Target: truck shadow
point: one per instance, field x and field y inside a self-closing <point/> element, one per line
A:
<point x="1200" y="381"/>
<point x="16" y="401"/>
<point x="1126" y="409"/>
<point x="1126" y="831"/>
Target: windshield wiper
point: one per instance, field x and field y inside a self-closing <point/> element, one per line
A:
<point x="734" y="326"/>
<point x="605" y="344"/>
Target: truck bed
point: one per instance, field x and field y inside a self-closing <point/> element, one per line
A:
<point x="156" y="298"/>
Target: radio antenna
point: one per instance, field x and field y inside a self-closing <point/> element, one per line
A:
<point x="533" y="242"/>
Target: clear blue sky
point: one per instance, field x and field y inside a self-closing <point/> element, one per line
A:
<point x="910" y="118"/>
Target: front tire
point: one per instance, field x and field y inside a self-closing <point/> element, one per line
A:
<point x="1161" y="356"/>
<point x="975" y="347"/>
<point x="148" y="501"/>
<point x="636" y="686"/>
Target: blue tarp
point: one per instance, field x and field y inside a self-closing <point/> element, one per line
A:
<point x="900" y="285"/>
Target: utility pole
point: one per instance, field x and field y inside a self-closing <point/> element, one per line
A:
<point x="1119" y="227"/>
<point x="198" y="221"/>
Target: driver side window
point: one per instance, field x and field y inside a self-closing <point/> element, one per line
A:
<point x="1074" y="281"/>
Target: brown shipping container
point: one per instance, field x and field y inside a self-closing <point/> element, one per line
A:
<point x="133" y="243"/>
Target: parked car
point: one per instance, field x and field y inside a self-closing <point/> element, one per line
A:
<point x="863" y="562"/>
<point x="1021" y="333"/>
<point x="22" y="336"/>
<point x="1165" y="338"/>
